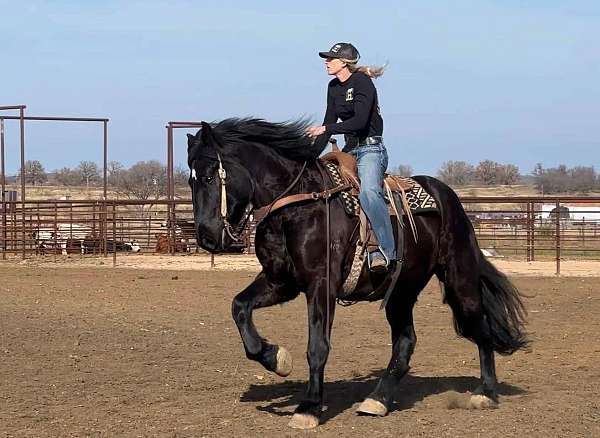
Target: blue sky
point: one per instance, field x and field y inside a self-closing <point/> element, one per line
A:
<point x="508" y="80"/>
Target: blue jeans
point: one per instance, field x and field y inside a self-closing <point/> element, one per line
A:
<point x="372" y="161"/>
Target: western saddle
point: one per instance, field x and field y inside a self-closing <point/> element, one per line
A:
<point x="346" y="164"/>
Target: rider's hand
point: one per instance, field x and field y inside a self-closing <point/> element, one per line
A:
<point x="314" y="131"/>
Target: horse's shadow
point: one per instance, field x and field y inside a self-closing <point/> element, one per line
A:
<point x="343" y="394"/>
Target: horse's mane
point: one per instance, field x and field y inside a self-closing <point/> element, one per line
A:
<point x="287" y="139"/>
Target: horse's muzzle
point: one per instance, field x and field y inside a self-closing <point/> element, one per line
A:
<point x="207" y="242"/>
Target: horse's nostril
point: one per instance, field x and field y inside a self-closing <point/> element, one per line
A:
<point x="205" y="240"/>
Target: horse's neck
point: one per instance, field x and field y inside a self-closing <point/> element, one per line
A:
<point x="274" y="175"/>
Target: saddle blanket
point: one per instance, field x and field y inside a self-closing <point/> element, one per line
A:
<point x="418" y="199"/>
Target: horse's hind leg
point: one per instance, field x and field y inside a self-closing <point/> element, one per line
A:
<point x="470" y="321"/>
<point x="399" y="315"/>
<point x="262" y="293"/>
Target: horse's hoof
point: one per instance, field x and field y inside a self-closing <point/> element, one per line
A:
<point x="372" y="407"/>
<point x="478" y="401"/>
<point x="303" y="421"/>
<point x="284" y="362"/>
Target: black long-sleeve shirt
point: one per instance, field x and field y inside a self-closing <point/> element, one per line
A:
<point x="355" y="102"/>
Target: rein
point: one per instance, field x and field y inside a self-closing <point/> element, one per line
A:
<point x="238" y="234"/>
<point x="279" y="202"/>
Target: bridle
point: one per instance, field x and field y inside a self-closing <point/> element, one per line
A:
<point x="280" y="201"/>
<point x="234" y="233"/>
<point x="240" y="232"/>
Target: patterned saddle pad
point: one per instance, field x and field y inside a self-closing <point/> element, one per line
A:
<point x="418" y="199"/>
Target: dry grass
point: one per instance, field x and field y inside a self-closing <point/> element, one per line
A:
<point x="48" y="192"/>
<point x="509" y="190"/>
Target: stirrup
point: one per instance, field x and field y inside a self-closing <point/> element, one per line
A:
<point x="378" y="268"/>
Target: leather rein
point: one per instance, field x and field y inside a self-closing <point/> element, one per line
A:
<point x="241" y="232"/>
<point x="238" y="234"/>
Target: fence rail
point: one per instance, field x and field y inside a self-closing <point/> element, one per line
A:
<point x="527" y="228"/>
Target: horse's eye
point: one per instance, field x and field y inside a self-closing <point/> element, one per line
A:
<point x="208" y="179"/>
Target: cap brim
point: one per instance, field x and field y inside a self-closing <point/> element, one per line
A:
<point x="328" y="55"/>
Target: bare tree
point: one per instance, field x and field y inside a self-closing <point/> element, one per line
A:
<point x="403" y="170"/>
<point x="507" y="174"/>
<point x="583" y="179"/>
<point x="144" y="180"/>
<point x="456" y="173"/>
<point x="114" y="172"/>
<point x="487" y="172"/>
<point x="181" y="176"/>
<point x="554" y="180"/>
<point x="34" y="172"/>
<point x="88" y="172"/>
<point x="67" y="177"/>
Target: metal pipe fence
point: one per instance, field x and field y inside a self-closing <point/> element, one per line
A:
<point x="537" y="228"/>
<point x="524" y="228"/>
<point x="83" y="228"/>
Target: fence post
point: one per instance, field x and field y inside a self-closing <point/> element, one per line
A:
<point x="104" y="226"/>
<point x="114" y="242"/>
<point x="583" y="237"/>
<point x="3" y="189"/>
<point x="22" y="173"/>
<point x="149" y="228"/>
<point x="171" y="229"/>
<point x="533" y="231"/>
<point x="4" y="230"/>
<point x="56" y="248"/>
<point x="557" y="237"/>
<point x="527" y="237"/>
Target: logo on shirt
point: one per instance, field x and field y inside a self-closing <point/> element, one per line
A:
<point x="350" y="95"/>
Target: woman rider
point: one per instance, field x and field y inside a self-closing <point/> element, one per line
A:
<point x="352" y="97"/>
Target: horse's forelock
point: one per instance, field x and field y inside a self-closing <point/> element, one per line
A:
<point x="200" y="145"/>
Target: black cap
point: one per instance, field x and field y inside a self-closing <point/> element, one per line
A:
<point x="342" y="50"/>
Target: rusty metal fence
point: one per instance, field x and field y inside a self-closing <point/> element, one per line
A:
<point x="537" y="228"/>
<point x="92" y="227"/>
<point x="524" y="228"/>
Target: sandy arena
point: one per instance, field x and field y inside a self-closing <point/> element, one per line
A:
<point x="92" y="351"/>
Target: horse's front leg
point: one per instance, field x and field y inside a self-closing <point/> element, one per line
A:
<point x="262" y="293"/>
<point x="320" y="319"/>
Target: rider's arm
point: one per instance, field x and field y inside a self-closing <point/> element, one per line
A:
<point x="330" y="117"/>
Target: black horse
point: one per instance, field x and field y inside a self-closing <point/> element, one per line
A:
<point x="240" y="164"/>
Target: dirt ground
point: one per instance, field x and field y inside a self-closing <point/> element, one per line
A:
<point x="90" y="351"/>
<point x="236" y="262"/>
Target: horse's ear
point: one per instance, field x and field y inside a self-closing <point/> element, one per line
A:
<point x="191" y="140"/>
<point x="206" y="134"/>
<point x="208" y="137"/>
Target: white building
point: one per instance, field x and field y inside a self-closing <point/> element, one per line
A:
<point x="577" y="211"/>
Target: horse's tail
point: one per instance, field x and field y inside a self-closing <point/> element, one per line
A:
<point x="503" y="309"/>
<point x="474" y="288"/>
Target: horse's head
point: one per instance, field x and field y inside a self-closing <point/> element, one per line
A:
<point x="222" y="191"/>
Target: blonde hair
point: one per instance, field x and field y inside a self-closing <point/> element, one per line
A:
<point x="372" y="71"/>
